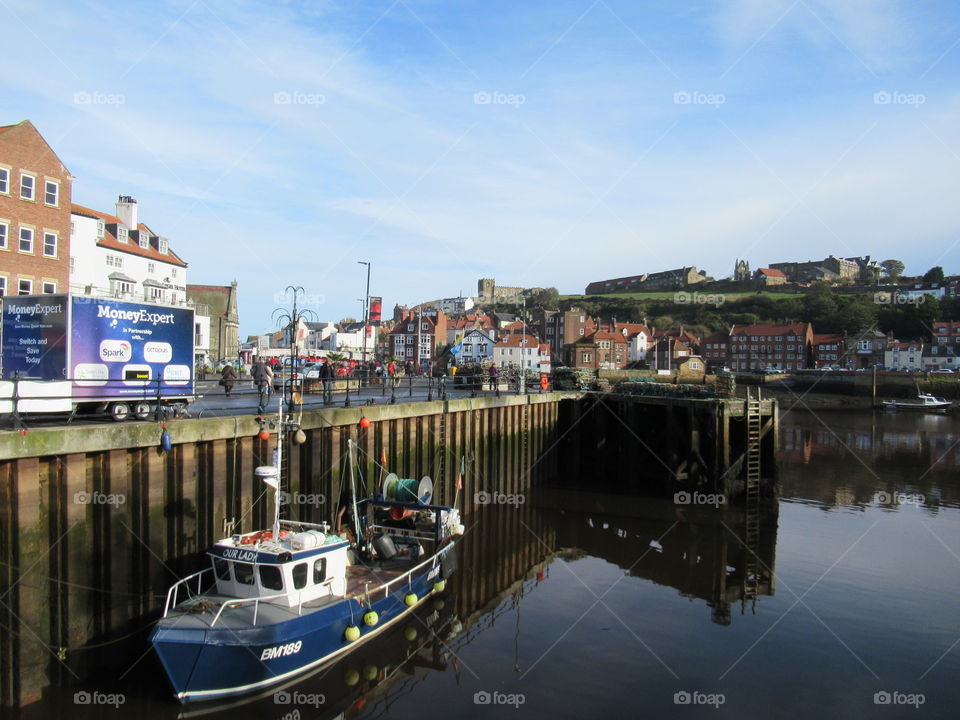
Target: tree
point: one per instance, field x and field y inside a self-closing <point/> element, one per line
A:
<point x="934" y="274"/>
<point x="893" y="268"/>
<point x="546" y="299"/>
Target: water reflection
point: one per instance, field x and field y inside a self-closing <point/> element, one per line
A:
<point x="855" y="459"/>
<point x="704" y="553"/>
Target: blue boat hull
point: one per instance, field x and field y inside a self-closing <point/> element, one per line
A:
<point x="207" y="664"/>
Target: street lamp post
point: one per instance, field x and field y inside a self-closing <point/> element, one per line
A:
<point x="366" y="316"/>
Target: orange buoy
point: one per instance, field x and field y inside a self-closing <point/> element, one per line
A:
<point x="364" y="422"/>
<point x="544" y="382"/>
<point x="264" y="434"/>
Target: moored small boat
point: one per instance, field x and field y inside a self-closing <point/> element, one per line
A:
<point x="279" y="602"/>
<point x="924" y="403"/>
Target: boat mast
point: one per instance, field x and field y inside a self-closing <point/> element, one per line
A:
<point x="278" y="464"/>
<point x="353" y="495"/>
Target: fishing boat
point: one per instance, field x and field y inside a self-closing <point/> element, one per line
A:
<point x="279" y="602"/>
<point x="924" y="403"/>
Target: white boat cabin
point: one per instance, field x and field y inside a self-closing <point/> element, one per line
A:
<point x="303" y="565"/>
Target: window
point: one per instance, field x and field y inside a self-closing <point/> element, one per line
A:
<point x="410" y="328"/>
<point x="25" y="287"/>
<point x="319" y="570"/>
<point x="123" y="235"/>
<point x="173" y="272"/>
<point x="4" y="181"/>
<point x="3" y="285"/>
<point x="73" y="263"/>
<point x="49" y="288"/>
<point x="4" y="233"/>
<point x="222" y="568"/>
<point x="26" y="240"/>
<point x="51" y="192"/>
<point x="151" y="268"/>
<point x="300" y="576"/>
<point x="581" y="331"/>
<point x="144" y="238"/>
<point x="28" y="186"/>
<point x="270" y="577"/>
<point x="114" y="261"/>
<point x="100" y="228"/>
<point x="49" y="244"/>
<point x="162" y="245"/>
<point x="244" y="573"/>
<point x="121" y="287"/>
<point x="585" y="357"/>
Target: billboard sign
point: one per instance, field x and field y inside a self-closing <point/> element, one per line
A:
<point x="35" y="337"/>
<point x="120" y="348"/>
<point x="376" y="310"/>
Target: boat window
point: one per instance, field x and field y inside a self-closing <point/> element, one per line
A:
<point x="300" y="576"/>
<point x="319" y="570"/>
<point x="222" y="568"/>
<point x="270" y="577"/>
<point x="243" y="573"/>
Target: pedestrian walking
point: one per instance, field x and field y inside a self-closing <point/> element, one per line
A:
<point x="326" y="377"/>
<point x="263" y="379"/>
<point x="228" y="376"/>
<point x="494" y="376"/>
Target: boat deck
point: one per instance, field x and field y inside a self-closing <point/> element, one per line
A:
<point x="200" y="611"/>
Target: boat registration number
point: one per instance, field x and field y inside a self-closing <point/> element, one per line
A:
<point x="271" y="653"/>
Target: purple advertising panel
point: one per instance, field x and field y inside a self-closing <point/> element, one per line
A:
<point x="120" y="349"/>
<point x="34" y="337"/>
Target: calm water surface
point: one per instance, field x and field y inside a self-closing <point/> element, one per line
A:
<point x="628" y="607"/>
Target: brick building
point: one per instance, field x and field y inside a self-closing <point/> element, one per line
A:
<point x="947" y="333"/>
<point x="666" y="280"/>
<point x="427" y="331"/>
<point x="765" y="277"/>
<point x="782" y="347"/>
<point x="35" y="194"/>
<point x="828" y="349"/>
<point x="864" y="349"/>
<point x="600" y="350"/>
<point x="714" y="349"/>
<point x="561" y="329"/>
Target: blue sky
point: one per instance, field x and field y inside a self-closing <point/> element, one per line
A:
<point x="540" y="143"/>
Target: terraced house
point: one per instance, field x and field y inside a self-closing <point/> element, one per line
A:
<point x="35" y="192"/>
<point x="755" y="347"/>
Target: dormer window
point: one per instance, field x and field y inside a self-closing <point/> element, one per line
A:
<point x="122" y="234"/>
<point x="163" y="246"/>
<point x="101" y="228"/>
<point x="144" y="237"/>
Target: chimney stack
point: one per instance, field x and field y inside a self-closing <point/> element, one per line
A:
<point x="127" y="211"/>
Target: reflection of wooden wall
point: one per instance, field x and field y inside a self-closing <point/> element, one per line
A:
<point x="648" y="444"/>
<point x="73" y="574"/>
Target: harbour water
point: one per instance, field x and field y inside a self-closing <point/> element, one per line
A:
<point x="576" y="604"/>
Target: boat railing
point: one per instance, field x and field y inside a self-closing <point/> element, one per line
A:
<point x="174" y="591"/>
<point x="236" y="602"/>
<point x="405" y="577"/>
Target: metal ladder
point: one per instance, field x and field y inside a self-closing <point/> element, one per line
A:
<point x="751" y="574"/>
<point x="442" y="464"/>
<point x="524" y="436"/>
